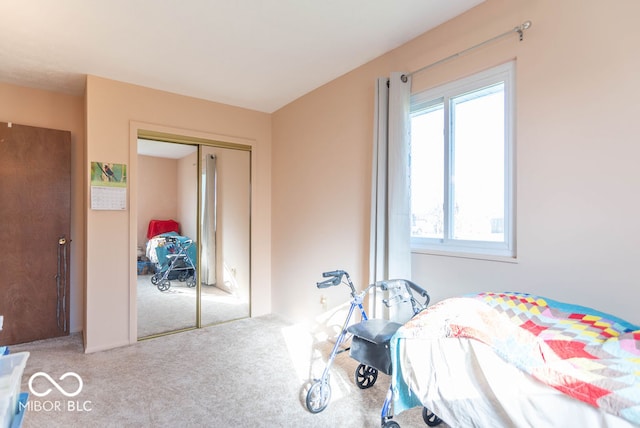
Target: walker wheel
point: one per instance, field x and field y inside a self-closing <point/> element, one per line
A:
<point x="390" y="424"/>
<point x="365" y="376"/>
<point x="164" y="285"/>
<point x="191" y="281"/>
<point x="430" y="418"/>
<point x="156" y="278"/>
<point x="318" y="396"/>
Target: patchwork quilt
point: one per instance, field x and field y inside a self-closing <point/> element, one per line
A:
<point x="586" y="354"/>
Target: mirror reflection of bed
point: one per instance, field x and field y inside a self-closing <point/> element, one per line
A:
<point x="168" y="293"/>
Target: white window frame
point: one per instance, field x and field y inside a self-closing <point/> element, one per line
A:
<point x="443" y="94"/>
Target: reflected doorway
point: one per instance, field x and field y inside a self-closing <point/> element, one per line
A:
<point x="193" y="234"/>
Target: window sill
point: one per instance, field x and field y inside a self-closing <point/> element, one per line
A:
<point x="474" y="256"/>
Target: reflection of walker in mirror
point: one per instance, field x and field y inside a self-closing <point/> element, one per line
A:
<point x="178" y="263"/>
<point x="218" y="250"/>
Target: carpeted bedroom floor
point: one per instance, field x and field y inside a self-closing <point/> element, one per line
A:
<point x="245" y="373"/>
<point x="175" y="309"/>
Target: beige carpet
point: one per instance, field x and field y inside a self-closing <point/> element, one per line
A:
<point x="175" y="309"/>
<point x="245" y="373"/>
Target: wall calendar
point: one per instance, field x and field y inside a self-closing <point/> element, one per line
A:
<point x="108" y="186"/>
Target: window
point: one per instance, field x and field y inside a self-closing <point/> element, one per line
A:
<point x="462" y="165"/>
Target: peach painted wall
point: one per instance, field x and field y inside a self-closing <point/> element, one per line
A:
<point x="114" y="113"/>
<point x="33" y="107"/>
<point x="577" y="154"/>
<point x="157" y="193"/>
<point x="187" y="195"/>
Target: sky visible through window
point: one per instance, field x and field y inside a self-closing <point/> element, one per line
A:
<point x="477" y="165"/>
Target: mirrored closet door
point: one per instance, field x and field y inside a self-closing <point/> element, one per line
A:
<point x="166" y="236"/>
<point x="193" y="234"/>
<point x="225" y="239"/>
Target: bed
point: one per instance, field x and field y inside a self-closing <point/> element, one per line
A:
<point x="516" y="360"/>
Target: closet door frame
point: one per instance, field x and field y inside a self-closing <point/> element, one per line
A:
<point x="173" y="135"/>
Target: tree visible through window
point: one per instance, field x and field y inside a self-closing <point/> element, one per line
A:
<point x="461" y="165"/>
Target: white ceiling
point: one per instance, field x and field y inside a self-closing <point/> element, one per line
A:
<point x="257" y="54"/>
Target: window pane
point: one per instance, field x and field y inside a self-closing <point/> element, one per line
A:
<point x="427" y="173"/>
<point x="478" y="165"/>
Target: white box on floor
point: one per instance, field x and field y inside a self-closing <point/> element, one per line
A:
<point x="11" y="370"/>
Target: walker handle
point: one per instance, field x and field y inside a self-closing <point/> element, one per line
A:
<point x="421" y="291"/>
<point x="338" y="273"/>
<point x="335" y="278"/>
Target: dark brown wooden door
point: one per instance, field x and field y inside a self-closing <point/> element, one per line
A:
<point x="35" y="213"/>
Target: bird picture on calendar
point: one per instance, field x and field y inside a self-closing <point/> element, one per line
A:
<point x="108" y="186"/>
<point x="104" y="172"/>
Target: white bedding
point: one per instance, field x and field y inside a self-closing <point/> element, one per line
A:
<point x="467" y="385"/>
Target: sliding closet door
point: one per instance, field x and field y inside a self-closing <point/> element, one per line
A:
<point x="213" y="208"/>
<point x="167" y="190"/>
<point x="225" y="224"/>
<point x="35" y="212"/>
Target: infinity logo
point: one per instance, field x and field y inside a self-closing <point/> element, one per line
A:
<point x="54" y="383"/>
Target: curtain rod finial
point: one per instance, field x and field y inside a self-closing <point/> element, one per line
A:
<point x="521" y="28"/>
